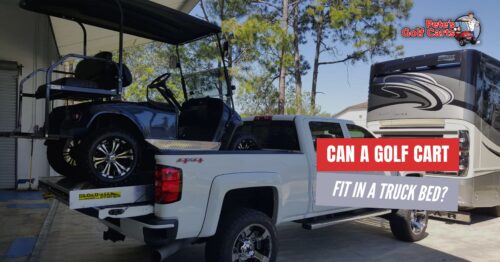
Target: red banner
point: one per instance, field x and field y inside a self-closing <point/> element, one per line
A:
<point x="387" y="154"/>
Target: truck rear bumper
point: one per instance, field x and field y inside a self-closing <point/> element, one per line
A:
<point x="150" y="229"/>
<point x="127" y="210"/>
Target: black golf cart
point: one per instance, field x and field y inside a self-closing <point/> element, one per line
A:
<point x="101" y="138"/>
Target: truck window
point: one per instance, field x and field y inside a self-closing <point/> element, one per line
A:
<point x="325" y="130"/>
<point x="277" y="135"/>
<point x="358" y="132"/>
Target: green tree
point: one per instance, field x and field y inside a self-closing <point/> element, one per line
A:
<point x="260" y="46"/>
<point x="367" y="27"/>
<point x="145" y="62"/>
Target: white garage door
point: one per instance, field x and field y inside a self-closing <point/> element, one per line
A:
<point x="8" y="97"/>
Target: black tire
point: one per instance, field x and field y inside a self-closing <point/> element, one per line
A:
<point x="462" y="42"/>
<point x="61" y="155"/>
<point x="405" y="228"/>
<point x="228" y="237"/>
<point x="122" y="170"/>
<point x="244" y="142"/>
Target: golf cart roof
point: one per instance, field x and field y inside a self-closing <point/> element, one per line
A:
<point x="140" y="18"/>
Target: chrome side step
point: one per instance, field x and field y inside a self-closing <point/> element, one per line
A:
<point x="342" y="217"/>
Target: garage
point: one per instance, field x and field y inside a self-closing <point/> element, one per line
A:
<point x="27" y="43"/>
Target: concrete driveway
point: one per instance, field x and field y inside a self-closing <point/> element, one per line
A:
<point x="75" y="237"/>
<point x="25" y="235"/>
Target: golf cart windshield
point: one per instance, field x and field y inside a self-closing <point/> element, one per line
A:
<point x="206" y="83"/>
<point x="203" y="69"/>
<point x="195" y="69"/>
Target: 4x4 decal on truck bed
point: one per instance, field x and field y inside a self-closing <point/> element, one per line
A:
<point x="190" y="160"/>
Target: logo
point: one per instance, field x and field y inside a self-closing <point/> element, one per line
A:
<point x="465" y="29"/>
<point x="101" y="195"/>
<point x="417" y="88"/>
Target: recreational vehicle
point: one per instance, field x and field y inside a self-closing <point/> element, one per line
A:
<point x="445" y="95"/>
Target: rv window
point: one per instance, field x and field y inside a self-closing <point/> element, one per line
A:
<point x="488" y="92"/>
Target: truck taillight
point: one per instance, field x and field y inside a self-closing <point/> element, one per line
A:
<point x="464" y="144"/>
<point x="168" y="184"/>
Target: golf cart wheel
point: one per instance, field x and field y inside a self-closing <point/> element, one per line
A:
<point x="62" y="155"/>
<point x="462" y="42"/>
<point x="473" y="41"/>
<point x="243" y="235"/>
<point x="244" y="142"/>
<point x="111" y="157"/>
<point x="409" y="225"/>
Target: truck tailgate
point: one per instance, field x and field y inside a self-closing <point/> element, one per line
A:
<point x="116" y="202"/>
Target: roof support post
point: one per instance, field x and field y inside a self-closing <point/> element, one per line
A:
<point x="84" y="38"/>
<point x="226" y="73"/>
<point x="183" y="81"/>
<point x="120" y="51"/>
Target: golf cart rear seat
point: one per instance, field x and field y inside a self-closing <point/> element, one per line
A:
<point x="100" y="74"/>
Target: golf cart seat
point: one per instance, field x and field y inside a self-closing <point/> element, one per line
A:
<point x="203" y="119"/>
<point x="89" y="74"/>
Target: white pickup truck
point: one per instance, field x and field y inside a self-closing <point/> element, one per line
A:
<point x="232" y="200"/>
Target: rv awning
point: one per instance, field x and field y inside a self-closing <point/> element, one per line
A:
<point x="144" y="21"/>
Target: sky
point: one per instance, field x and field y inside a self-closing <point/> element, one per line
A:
<point x="342" y="85"/>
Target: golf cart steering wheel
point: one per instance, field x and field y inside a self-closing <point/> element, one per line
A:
<point x="160" y="81"/>
<point x="159" y="84"/>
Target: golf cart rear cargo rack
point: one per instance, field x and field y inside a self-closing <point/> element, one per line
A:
<point x="58" y="89"/>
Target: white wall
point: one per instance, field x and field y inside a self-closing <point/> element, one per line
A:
<point x="25" y="37"/>
<point x="358" y="116"/>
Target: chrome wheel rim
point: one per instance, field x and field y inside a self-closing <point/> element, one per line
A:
<point x="113" y="157"/>
<point x="418" y="220"/>
<point x="68" y="151"/>
<point x="253" y="243"/>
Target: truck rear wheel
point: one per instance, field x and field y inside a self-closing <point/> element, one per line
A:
<point x="409" y="225"/>
<point x="243" y="235"/>
<point x="61" y="155"/>
<point x="111" y="157"/>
